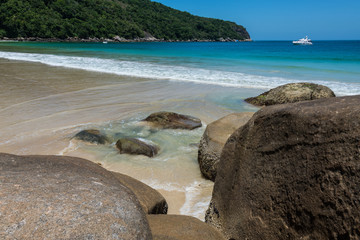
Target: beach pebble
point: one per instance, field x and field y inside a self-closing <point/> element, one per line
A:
<point x="291" y="172"/>
<point x="290" y="93"/>
<point x="173" y="120"/>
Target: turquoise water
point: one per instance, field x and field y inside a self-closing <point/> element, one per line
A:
<point x="260" y="65"/>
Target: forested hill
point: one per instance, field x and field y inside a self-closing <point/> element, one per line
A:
<point x="129" y="19"/>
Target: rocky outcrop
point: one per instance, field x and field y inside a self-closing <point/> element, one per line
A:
<point x="214" y="139"/>
<point x="150" y="199"/>
<point x="172" y="120"/>
<point x="92" y="136"/>
<point x="292" y="172"/>
<point x="51" y="197"/>
<point x="137" y="147"/>
<point x="175" y="227"/>
<point x="290" y="93"/>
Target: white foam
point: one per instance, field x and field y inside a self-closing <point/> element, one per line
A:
<point x="168" y="186"/>
<point x="195" y="205"/>
<point x="170" y="72"/>
<point x="70" y="148"/>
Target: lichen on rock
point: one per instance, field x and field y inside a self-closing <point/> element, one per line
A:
<point x="290" y="93"/>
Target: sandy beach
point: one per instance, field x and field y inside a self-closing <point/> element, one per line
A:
<point x="43" y="107"/>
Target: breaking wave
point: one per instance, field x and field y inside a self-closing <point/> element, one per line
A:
<point x="172" y="72"/>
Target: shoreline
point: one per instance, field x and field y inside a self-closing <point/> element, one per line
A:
<point x="116" y="39"/>
<point x="238" y="66"/>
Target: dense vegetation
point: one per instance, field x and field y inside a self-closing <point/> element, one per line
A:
<point x="129" y="19"/>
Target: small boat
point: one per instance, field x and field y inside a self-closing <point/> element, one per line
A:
<point x="303" y="41"/>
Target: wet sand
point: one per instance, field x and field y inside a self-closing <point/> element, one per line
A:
<point x="43" y="107"/>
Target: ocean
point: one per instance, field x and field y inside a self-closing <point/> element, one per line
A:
<point x="51" y="91"/>
<point x="261" y="65"/>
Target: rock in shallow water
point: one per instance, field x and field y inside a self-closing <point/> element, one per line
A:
<point x="92" y="136"/>
<point x="214" y="139"/>
<point x="173" y="121"/>
<point x="292" y="172"/>
<point x="137" y="147"/>
<point x="290" y="93"/>
<point x="51" y="197"/>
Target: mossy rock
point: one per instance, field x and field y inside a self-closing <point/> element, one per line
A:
<point x="290" y="93"/>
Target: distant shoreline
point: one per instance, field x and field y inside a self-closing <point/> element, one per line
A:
<point x="113" y="40"/>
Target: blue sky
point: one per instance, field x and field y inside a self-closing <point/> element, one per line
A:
<point x="282" y="19"/>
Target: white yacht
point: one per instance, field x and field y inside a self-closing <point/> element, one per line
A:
<point x="303" y="41"/>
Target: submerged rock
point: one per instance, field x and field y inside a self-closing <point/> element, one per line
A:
<point x="92" y="136"/>
<point x="176" y="227"/>
<point x="195" y="145"/>
<point x="290" y="93"/>
<point x="137" y="147"/>
<point x="292" y="172"/>
<point x="52" y="197"/>
<point x="150" y="199"/>
<point x="214" y="139"/>
<point x="134" y="131"/>
<point x="173" y="121"/>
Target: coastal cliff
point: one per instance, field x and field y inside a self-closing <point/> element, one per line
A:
<point x="116" y="20"/>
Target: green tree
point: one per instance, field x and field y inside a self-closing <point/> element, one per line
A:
<point x="107" y="18"/>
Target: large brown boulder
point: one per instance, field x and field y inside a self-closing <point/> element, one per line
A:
<point x="173" y="120"/>
<point x="176" y="227"/>
<point x="50" y="197"/>
<point x="150" y="199"/>
<point x="290" y="93"/>
<point x="214" y="139"/>
<point x="136" y="146"/>
<point x="292" y="172"/>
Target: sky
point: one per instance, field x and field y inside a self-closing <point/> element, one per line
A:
<point x="282" y="19"/>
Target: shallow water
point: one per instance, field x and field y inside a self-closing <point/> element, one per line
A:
<point x="43" y="107"/>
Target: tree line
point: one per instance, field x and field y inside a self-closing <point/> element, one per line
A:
<point x="129" y="19"/>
